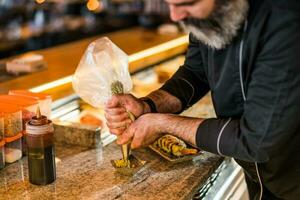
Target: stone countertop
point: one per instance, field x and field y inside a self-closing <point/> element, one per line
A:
<point x="87" y="174"/>
<point x="84" y="173"/>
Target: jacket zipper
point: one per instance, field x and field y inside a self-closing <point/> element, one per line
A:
<point x="244" y="97"/>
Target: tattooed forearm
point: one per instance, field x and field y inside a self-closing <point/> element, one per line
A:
<point x="180" y="126"/>
<point x="165" y="102"/>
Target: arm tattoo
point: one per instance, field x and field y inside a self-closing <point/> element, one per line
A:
<point x="180" y="126"/>
<point x="165" y="102"/>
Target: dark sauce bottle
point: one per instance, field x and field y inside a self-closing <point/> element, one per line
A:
<point x="40" y="150"/>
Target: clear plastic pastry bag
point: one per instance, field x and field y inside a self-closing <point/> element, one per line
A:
<point x="102" y="72"/>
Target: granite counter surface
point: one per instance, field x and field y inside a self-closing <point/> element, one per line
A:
<point x="84" y="173"/>
<point x="87" y="174"/>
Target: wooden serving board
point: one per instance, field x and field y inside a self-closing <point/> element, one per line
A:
<point x="172" y="158"/>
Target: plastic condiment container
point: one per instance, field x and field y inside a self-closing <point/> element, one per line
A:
<point x="28" y="106"/>
<point x="2" y="154"/>
<point x="13" y="148"/>
<point x="12" y="116"/>
<point x="44" y="100"/>
<point x="1" y="127"/>
<point x="41" y="152"/>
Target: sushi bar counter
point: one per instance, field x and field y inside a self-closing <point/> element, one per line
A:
<point x="81" y="146"/>
<point x="87" y="174"/>
<point x="84" y="170"/>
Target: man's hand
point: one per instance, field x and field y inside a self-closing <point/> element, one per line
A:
<point x="117" y="108"/>
<point x="149" y="127"/>
<point x="144" y="131"/>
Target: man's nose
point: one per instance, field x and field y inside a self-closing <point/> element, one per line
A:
<point x="177" y="14"/>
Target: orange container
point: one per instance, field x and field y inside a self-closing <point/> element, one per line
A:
<point x="1" y="127"/>
<point x="44" y="100"/>
<point x="28" y="105"/>
<point x="13" y="148"/>
<point x="12" y="116"/>
<point x="2" y="154"/>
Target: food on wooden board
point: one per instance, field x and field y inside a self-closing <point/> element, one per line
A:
<point x="173" y="145"/>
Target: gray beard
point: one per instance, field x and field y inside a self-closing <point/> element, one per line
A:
<point x="219" y="29"/>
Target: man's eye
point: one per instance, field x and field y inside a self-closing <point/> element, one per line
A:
<point x="190" y="3"/>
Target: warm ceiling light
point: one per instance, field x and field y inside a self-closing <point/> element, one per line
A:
<point x="40" y="1"/>
<point x="93" y="5"/>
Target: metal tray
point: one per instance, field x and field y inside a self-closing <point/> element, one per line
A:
<point x="171" y="157"/>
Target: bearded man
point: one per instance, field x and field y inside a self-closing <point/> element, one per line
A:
<point x="247" y="53"/>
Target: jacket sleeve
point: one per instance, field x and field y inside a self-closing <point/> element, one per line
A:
<point x="271" y="110"/>
<point x="181" y="84"/>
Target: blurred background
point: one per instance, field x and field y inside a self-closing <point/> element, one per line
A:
<point x="27" y="25"/>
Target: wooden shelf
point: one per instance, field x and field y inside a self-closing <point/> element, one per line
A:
<point x="144" y="47"/>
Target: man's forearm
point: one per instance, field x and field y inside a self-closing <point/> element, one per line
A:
<point x="180" y="126"/>
<point x="165" y="102"/>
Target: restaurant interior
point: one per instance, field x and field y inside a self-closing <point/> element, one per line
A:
<point x="42" y="43"/>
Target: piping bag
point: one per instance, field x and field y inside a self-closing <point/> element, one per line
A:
<point x="101" y="73"/>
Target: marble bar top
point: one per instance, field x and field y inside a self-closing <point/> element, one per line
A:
<point x="87" y="174"/>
